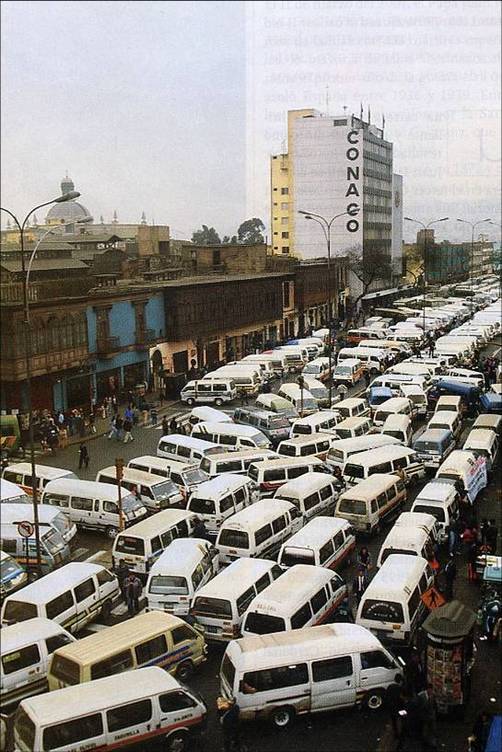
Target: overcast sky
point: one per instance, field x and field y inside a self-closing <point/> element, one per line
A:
<point x="174" y="108"/>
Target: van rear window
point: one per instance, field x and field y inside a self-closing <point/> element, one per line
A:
<point x="234" y="539"/>
<point x="217" y="608"/>
<point x="163" y="584"/>
<point x="264" y="623"/>
<point x="19" y="611"/>
<point x="353" y="471"/>
<point x="127" y="544"/>
<point x="382" y="611"/>
<point x="201" y="506"/>
<point x="290" y="558"/>
<point x="352" y="506"/>
<point x="437" y="512"/>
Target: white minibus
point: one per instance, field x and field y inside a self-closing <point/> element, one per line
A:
<point x="219" y="606"/>
<point x="353" y="407"/>
<point x="312" y="670"/>
<point x="12" y="493"/>
<point x="319" y="367"/>
<point x="233" y="462"/>
<point x="418" y="399"/>
<point x="312" y="445"/>
<point x="184" y="567"/>
<point x="304" y="596"/>
<point x="408" y="540"/>
<point x="24" y="657"/>
<point x="483" y="442"/>
<point x="450" y="402"/>
<point x="323" y="541"/>
<point x="489" y="422"/>
<point x="323" y="421"/>
<point x="387" y="459"/>
<point x="341" y="449"/>
<point x="320" y="392"/>
<point x="270" y="474"/>
<point x="185" y="448"/>
<point x="72" y="596"/>
<point x="441" y="500"/>
<point x="155" y="491"/>
<point x="265" y="363"/>
<point x="394" y="381"/>
<point x="348" y="372"/>
<point x="221" y="497"/>
<point x="111" y="713"/>
<point x="398" y="426"/>
<point x="465" y="468"/>
<point x="215" y="391"/>
<point x="151" y="638"/>
<point x="20" y="473"/>
<point x="392" y="406"/>
<point x="92" y="505"/>
<point x="198" y="414"/>
<point x="54" y="552"/>
<point x="141" y="544"/>
<point x="312" y="494"/>
<point x="447" y="420"/>
<point x="301" y="399"/>
<point x="371" y="502"/>
<point x="231" y="435"/>
<point x="248" y="379"/>
<point x="392" y="606"/>
<point x="48" y="519"/>
<point x="295" y="356"/>
<point x="186" y="477"/>
<point x="274" y="427"/>
<point x="258" y="531"/>
<point x="350" y="428"/>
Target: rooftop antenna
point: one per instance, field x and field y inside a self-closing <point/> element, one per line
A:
<point x="383" y="124"/>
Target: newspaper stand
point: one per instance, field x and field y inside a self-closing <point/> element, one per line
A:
<point x="449" y="656"/>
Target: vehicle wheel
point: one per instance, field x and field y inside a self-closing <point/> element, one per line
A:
<point x="184" y="670"/>
<point x="177" y="742"/>
<point x="190" y="401"/>
<point x="282" y="717"/>
<point x="374" y="700"/>
<point x="218" y="402"/>
<point x="111" y="532"/>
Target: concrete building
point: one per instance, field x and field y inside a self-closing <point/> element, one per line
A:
<point x="445" y="261"/>
<point x="335" y="165"/>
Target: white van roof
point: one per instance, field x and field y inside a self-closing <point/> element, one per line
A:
<point x="293" y="390"/>
<point x="315" y="532"/>
<point x="14" y="638"/>
<point x="351" y="402"/>
<point x="306" y="483"/>
<point x="393" y="403"/>
<point x="259" y="513"/>
<point x="182" y="554"/>
<point x="381" y="454"/>
<point x="10" y="490"/>
<point x="354" y="422"/>
<point x="12" y="514"/>
<point x="396" y="422"/>
<point x="391" y="580"/>
<point x="306" y="438"/>
<point x="240" y="454"/>
<point x="91" y="697"/>
<point x="163" y="463"/>
<point x="370" y="487"/>
<point x="291" y="589"/>
<point x="133" y="475"/>
<point x="326" y="641"/>
<point x="443" y="416"/>
<point x="349" y="362"/>
<point x="362" y="443"/>
<point x="236" y="578"/>
<point x="415" y="519"/>
<point x="436" y="491"/>
<point x="187" y="441"/>
<point x="41" y="471"/>
<point x="318" y="417"/>
<point x="279" y="462"/>
<point x="204" y="412"/>
<point x="478" y="438"/>
<point x="221" y="484"/>
<point x="87" y="488"/>
<point x="56" y="582"/>
<point x="229" y="429"/>
<point x="159" y="521"/>
<point x="459" y="459"/>
<point x="404" y="536"/>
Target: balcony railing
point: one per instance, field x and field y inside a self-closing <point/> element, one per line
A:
<point x="145" y="337"/>
<point x="107" y="346"/>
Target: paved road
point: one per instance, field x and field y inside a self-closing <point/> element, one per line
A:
<point x="340" y="731"/>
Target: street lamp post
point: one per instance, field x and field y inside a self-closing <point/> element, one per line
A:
<point x="473" y="225"/>
<point x="326" y="227"/>
<point x="27" y="347"/>
<point x="425" y="227"/>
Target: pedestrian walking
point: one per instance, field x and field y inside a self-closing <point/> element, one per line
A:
<point x="165" y="426"/>
<point x="119" y="425"/>
<point x="230" y="724"/>
<point x="450" y="573"/>
<point x="63" y="437"/>
<point x="134" y="588"/>
<point x="414" y="673"/>
<point x="92" y="423"/>
<point x="472" y="557"/>
<point x="364" y="559"/>
<point x="173" y="425"/>
<point x="394" y="703"/>
<point x="122" y="572"/>
<point x="154" y="415"/>
<point x="360" y="584"/>
<point x="113" y="429"/>
<point x="83" y="456"/>
<point x="427" y="714"/>
<point x="244" y="397"/>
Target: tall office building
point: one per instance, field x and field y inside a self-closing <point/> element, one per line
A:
<point x="335" y="165"/>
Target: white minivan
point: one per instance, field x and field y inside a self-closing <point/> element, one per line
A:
<point x="441" y="500"/>
<point x="231" y="435"/>
<point x="154" y="491"/>
<point x="221" y="497"/>
<point x="483" y="442"/>
<point x="183" y="448"/>
<point x="464" y="468"/>
<point x="215" y="391"/>
<point x="311" y="493"/>
<point x="323" y="541"/>
<point x="313" y="670"/>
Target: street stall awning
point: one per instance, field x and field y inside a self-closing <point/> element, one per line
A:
<point x="453" y="620"/>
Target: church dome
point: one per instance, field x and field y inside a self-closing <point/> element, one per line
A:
<point x="68" y="211"/>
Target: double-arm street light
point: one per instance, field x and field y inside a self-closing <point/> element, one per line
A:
<point x="473" y="226"/>
<point x="21" y="226"/>
<point x="424" y="271"/>
<point x="326" y="228"/>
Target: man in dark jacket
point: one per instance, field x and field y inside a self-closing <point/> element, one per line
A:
<point x="395" y="701"/>
<point x="122" y="572"/>
<point x="134" y="588"/>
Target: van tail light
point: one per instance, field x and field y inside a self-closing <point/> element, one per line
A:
<point x="184" y="598"/>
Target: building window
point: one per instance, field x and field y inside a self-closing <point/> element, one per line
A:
<point x="285" y="249"/>
<point x="284" y="191"/>
<point x="284" y="206"/>
<point x="276" y="247"/>
<point x="285" y="235"/>
<point x="284" y="220"/>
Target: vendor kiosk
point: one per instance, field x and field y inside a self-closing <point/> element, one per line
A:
<point x="449" y="656"/>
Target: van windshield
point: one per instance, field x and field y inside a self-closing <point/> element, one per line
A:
<point x="353" y="471"/>
<point x="290" y="558"/>
<point x="19" y="611"/>
<point x="395" y="434"/>
<point x="130" y="503"/>
<point x="253" y="472"/>
<point x="343" y="433"/>
<point x="336" y="453"/>
<point x="128" y="544"/>
<point x="212" y="607"/>
<point x="303" y="429"/>
<point x="234" y="539"/>
<point x="382" y="611"/>
<point x="437" y="512"/>
<point x="264" y="623"/>
<point x="205" y="465"/>
<point x="201" y="506"/>
<point x="352" y="506"/>
<point x="163" y="584"/>
<point x="62" y="523"/>
<point x="163" y="491"/>
<point x="343" y="370"/>
<point x="53" y="542"/>
<point x="278" y="421"/>
<point x="194" y="476"/>
<point x="383" y="414"/>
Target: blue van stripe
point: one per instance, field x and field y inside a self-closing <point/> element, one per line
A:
<point x="168" y="657"/>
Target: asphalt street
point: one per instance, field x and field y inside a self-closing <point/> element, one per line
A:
<point x="341" y="731"/>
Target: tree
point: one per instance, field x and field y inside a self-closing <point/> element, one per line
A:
<point x="367" y="268"/>
<point x="251" y="231"/>
<point x="206" y="236"/>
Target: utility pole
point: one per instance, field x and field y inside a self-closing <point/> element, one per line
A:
<point x="119" y="474"/>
